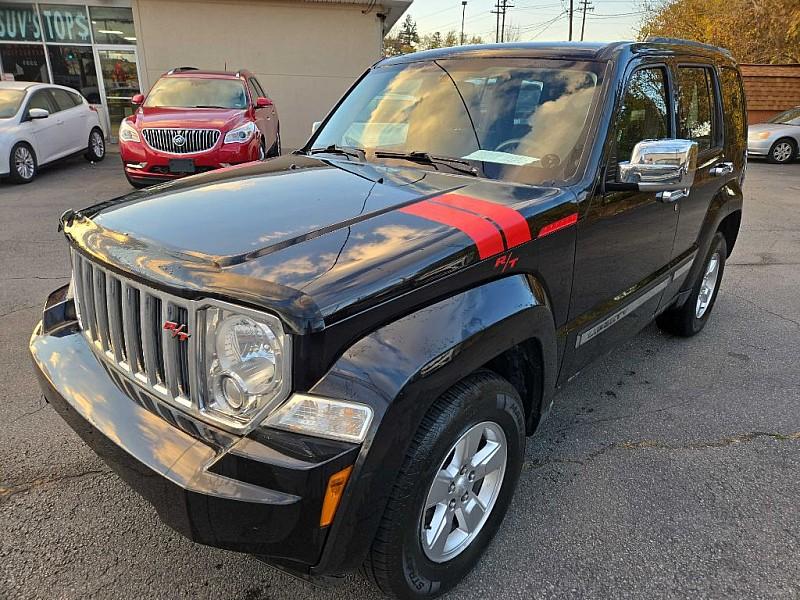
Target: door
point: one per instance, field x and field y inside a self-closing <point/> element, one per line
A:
<point x="46" y="133"/>
<point x="625" y="241"/>
<point x="119" y="72"/>
<point x="73" y="121"/>
<point x="699" y="120"/>
<point x="267" y="118"/>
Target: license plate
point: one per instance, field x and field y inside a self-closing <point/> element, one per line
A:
<point x="181" y="165"/>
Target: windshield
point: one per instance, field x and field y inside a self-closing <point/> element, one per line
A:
<point x="516" y="119"/>
<point x="9" y="102"/>
<point x="188" y="92"/>
<point x="790" y="117"/>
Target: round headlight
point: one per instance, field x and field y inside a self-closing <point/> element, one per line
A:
<point x="248" y="357"/>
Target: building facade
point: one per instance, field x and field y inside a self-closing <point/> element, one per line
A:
<point x="770" y="90"/>
<point x="306" y="53"/>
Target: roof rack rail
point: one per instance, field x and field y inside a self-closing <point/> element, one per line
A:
<point x="655" y="39"/>
<point x="181" y="70"/>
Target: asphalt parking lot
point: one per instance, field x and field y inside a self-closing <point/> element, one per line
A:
<point x="671" y="468"/>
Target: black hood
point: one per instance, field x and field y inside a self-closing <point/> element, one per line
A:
<point x="304" y="236"/>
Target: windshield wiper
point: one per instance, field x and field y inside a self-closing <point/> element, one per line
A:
<point x="457" y="164"/>
<point x="344" y="151"/>
<point x="208" y="106"/>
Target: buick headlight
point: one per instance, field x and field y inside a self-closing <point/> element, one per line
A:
<point x="323" y="417"/>
<point x="241" y="134"/>
<point x="247" y="359"/>
<point x="127" y="133"/>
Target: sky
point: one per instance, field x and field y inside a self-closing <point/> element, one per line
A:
<point x="544" y="20"/>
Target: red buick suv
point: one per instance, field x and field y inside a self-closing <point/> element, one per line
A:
<point x="194" y="121"/>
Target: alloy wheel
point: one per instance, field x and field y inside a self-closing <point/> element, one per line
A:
<point x="708" y="285"/>
<point x="464" y="491"/>
<point x="782" y="151"/>
<point x="98" y="144"/>
<point x="24" y="163"/>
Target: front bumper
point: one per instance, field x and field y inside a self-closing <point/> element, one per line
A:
<point x="261" y="494"/>
<point x="143" y="164"/>
<point x="758" y="147"/>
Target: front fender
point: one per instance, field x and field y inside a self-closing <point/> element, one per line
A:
<point x="400" y="370"/>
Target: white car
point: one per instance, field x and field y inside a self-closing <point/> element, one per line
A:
<point x="777" y="140"/>
<point x="40" y="123"/>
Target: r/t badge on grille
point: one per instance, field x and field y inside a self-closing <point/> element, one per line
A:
<point x="178" y="331"/>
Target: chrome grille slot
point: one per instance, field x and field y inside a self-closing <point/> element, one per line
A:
<point x="124" y="323"/>
<point x="193" y="140"/>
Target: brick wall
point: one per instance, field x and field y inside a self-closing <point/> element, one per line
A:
<point x="770" y="89"/>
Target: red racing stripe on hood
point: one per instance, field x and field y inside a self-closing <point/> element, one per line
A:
<point x="512" y="223"/>
<point x="485" y="235"/>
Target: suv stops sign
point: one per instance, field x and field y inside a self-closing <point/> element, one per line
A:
<point x="64" y="24"/>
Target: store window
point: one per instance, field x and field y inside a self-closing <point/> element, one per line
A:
<point x="121" y="82"/>
<point x="65" y="24"/>
<point x="19" y="23"/>
<point x="112" y="25"/>
<point x="24" y="62"/>
<point x="73" y="66"/>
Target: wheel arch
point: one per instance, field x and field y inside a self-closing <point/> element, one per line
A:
<point x="505" y="325"/>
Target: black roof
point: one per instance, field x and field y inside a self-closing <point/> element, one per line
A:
<point x="568" y="50"/>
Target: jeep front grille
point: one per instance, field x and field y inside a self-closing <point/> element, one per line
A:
<point x="124" y="322"/>
<point x="169" y="139"/>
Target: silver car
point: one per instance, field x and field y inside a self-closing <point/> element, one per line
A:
<point x="777" y="140"/>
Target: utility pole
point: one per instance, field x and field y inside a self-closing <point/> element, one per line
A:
<point x="496" y="11"/>
<point x="463" y="13"/>
<point x="570" y="19"/>
<point x="587" y="5"/>
<point x="505" y="8"/>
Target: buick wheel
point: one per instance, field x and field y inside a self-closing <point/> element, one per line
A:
<point x="452" y="491"/>
<point x="23" y="163"/>
<point x="782" y="151"/>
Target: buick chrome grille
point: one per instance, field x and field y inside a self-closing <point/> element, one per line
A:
<point x="124" y="322"/>
<point x="181" y="141"/>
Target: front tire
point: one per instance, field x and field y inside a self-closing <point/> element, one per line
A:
<point x="96" y="148"/>
<point x="22" y="163"/>
<point x="452" y="491"/>
<point x="689" y="319"/>
<point x="275" y="150"/>
<point x="782" y="151"/>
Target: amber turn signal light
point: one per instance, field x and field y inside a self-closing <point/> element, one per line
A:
<point x="333" y="495"/>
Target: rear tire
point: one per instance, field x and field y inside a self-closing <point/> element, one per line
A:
<point x="689" y="319"/>
<point x="96" y="149"/>
<point x="440" y="493"/>
<point x="23" y="166"/>
<point x="782" y="151"/>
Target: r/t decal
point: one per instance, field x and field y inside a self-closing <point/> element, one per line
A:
<point x="506" y="261"/>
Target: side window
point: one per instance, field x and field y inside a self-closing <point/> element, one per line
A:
<point x="258" y="87"/>
<point x="733" y="109"/>
<point x="77" y="99"/>
<point x="41" y="99"/>
<point x="253" y="91"/>
<point x="696" y="112"/>
<point x="644" y="114"/>
<point x="530" y="93"/>
<point x="63" y="99"/>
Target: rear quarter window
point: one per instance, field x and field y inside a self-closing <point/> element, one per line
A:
<point x="733" y="107"/>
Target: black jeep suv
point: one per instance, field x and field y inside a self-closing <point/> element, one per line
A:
<point x="332" y="360"/>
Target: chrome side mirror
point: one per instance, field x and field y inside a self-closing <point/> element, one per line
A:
<point x="38" y="113"/>
<point x="314" y="126"/>
<point x="661" y="166"/>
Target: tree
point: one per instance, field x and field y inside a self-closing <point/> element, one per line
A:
<point x="475" y="39"/>
<point x="408" y="33"/>
<point x="451" y="39"/>
<point x="755" y="31"/>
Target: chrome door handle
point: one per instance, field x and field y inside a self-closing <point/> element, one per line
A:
<point x="723" y="168"/>
<point x="672" y="196"/>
